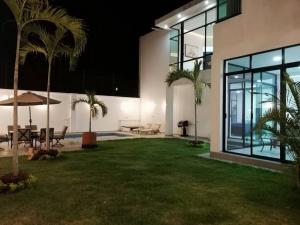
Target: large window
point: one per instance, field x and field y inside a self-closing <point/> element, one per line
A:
<point x="192" y="40"/>
<point x="251" y="82"/>
<point x="228" y="8"/>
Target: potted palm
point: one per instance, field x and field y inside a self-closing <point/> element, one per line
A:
<point x="89" y="139"/>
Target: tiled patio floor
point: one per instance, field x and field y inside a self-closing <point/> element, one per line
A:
<point x="74" y="144"/>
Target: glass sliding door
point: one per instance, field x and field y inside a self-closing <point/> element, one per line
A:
<point x="266" y="86"/>
<point x="249" y="97"/>
<point x="238" y="119"/>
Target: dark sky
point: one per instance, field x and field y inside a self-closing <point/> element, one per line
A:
<point x="111" y="58"/>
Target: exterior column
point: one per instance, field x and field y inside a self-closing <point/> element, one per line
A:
<point x="169" y="111"/>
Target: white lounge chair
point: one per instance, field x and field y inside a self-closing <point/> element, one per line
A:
<point x="154" y="129"/>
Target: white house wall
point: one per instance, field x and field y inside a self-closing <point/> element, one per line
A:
<point x="119" y="109"/>
<point x="263" y="25"/>
<point x="184" y="110"/>
<point x="154" y="67"/>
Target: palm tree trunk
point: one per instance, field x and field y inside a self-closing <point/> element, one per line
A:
<point x="90" y="125"/>
<point x="298" y="173"/>
<point x="15" y="162"/>
<point x="196" y="131"/>
<point x="48" y="105"/>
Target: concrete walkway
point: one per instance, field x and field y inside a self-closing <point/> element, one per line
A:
<point x="74" y="144"/>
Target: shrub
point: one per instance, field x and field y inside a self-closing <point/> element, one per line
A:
<point x="18" y="184"/>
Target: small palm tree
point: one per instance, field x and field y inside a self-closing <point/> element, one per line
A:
<point x="26" y="13"/>
<point x="94" y="105"/>
<point x="287" y="116"/>
<point x="196" y="77"/>
<point x="52" y="46"/>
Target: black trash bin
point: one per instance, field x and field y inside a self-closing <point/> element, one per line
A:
<point x="183" y="124"/>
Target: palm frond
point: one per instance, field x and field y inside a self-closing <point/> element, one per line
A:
<point x="199" y="86"/>
<point x="294" y="89"/>
<point x="60" y="18"/>
<point x="178" y="75"/>
<point x="103" y="107"/>
<point x="197" y="69"/>
<point x="15" y="8"/>
<point x="29" y="48"/>
<point x="77" y="101"/>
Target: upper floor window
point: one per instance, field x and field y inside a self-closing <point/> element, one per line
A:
<point x="228" y="8"/>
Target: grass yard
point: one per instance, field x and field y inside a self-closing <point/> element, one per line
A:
<point x="149" y="182"/>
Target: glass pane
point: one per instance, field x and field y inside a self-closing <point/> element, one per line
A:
<point x="209" y="39"/>
<point x="239" y="64"/>
<point x="174" y="50"/>
<point x="175" y="30"/>
<point x="265" y="85"/>
<point x="267" y="59"/>
<point x="222" y="9"/>
<point x="190" y="65"/>
<point x="194" y="23"/>
<point x="228" y="8"/>
<point x="238" y="110"/>
<point x="194" y="44"/>
<point x="212" y="15"/>
<point x="292" y="54"/>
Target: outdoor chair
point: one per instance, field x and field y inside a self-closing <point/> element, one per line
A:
<point x="42" y="137"/>
<point x="137" y="130"/>
<point x="60" y="136"/>
<point x="153" y="130"/>
<point x="10" y="130"/>
<point x="4" y="138"/>
<point x="24" y="136"/>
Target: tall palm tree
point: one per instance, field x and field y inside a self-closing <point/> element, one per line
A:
<point x="94" y="106"/>
<point x="287" y="116"/>
<point x="26" y="13"/>
<point x="52" y="46"/>
<point x="196" y="77"/>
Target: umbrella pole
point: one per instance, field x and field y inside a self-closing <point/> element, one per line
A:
<point x="30" y="120"/>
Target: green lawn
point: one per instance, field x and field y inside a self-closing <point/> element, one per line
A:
<point x="149" y="182"/>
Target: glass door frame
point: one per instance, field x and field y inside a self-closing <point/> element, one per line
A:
<point x="282" y="68"/>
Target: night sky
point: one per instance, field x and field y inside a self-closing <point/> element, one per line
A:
<point x="111" y="58"/>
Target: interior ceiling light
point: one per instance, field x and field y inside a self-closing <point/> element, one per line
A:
<point x="277" y="58"/>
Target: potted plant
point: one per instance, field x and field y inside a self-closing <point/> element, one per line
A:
<point x="89" y="139"/>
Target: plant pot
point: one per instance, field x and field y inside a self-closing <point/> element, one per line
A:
<point x="89" y="140"/>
